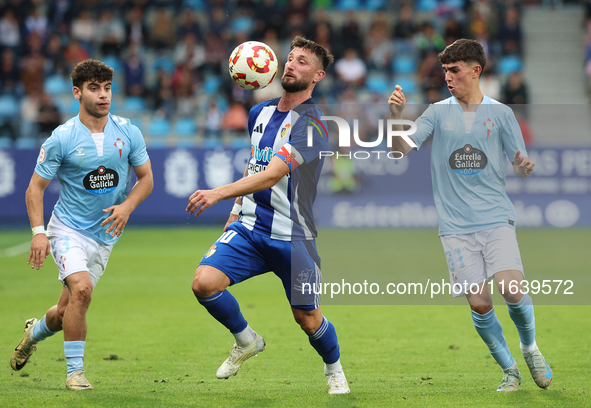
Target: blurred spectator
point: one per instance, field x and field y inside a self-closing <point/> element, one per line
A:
<point x="430" y="74"/>
<point x="406" y="27"/>
<point x="36" y="23"/>
<point x="378" y="46"/>
<point x="268" y="14"/>
<point x="300" y="8"/>
<point x="48" y="116"/>
<point x="516" y="91"/>
<point x="453" y="31"/>
<point x="74" y="53"/>
<point x="510" y="31"/>
<point x="236" y="118"/>
<point x="218" y="23"/>
<point x="32" y="65"/>
<point x="55" y="62"/>
<point x="213" y="120"/>
<point x="433" y="95"/>
<point x="351" y="36"/>
<point x="216" y="53"/>
<point x="323" y="36"/>
<point x="110" y="33"/>
<point x="84" y="30"/>
<point x="61" y="11"/>
<point x="164" y="102"/>
<point x="10" y="34"/>
<point x="429" y="39"/>
<point x="29" y="110"/>
<point x="136" y="32"/>
<point x="189" y="52"/>
<point x="351" y="69"/>
<point x="189" y="26"/>
<point x="162" y="34"/>
<point x="490" y="85"/>
<point x="134" y="74"/>
<point x="9" y="72"/>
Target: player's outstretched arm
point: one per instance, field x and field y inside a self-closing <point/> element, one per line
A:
<point x="40" y="246"/>
<point x="523" y="166"/>
<point x="203" y="199"/>
<point x="396" y="103"/>
<point x="234" y="215"/>
<point x="120" y="213"/>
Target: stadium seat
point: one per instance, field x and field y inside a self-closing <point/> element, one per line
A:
<point x="377" y="82"/>
<point x="212" y="84"/>
<point x="199" y="5"/>
<point x="375" y="5"/>
<point x="509" y="65"/>
<point x="134" y="104"/>
<point x="426" y="5"/>
<point x="346" y="5"/>
<point x="159" y="127"/>
<point x="26" y="143"/>
<point x="9" y="108"/>
<point x="408" y="84"/>
<point x="404" y="65"/>
<point x="212" y="143"/>
<point x="57" y="85"/>
<point x="185" y="127"/>
<point x="5" y="142"/>
<point x="113" y="62"/>
<point x="164" y="63"/>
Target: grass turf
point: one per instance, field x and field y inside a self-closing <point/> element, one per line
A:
<point x="151" y="344"/>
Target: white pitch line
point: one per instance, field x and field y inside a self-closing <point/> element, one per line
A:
<point x="15" y="250"/>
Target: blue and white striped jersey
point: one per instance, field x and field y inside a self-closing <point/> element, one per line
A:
<point x="93" y="171"/>
<point x="284" y="212"/>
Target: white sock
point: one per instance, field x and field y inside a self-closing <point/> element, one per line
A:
<point x="528" y="349"/>
<point x="245" y="337"/>
<point x="333" y="368"/>
<point x="513" y="367"/>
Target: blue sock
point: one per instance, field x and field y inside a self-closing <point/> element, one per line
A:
<point x="225" y="309"/>
<point x="40" y="331"/>
<point x="325" y="342"/>
<point x="491" y="331"/>
<point x="74" y="352"/>
<point x="522" y="314"/>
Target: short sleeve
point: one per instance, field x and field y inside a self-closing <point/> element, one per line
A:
<point x="511" y="135"/>
<point x="425" y="126"/>
<point x="303" y="148"/>
<point x="138" y="154"/>
<point x="50" y="158"/>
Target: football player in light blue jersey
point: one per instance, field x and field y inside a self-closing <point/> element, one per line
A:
<point x="276" y="228"/>
<point x="472" y="136"/>
<point x="92" y="155"/>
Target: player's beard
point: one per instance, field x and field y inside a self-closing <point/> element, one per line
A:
<point x="295" y="86"/>
<point x="92" y="109"/>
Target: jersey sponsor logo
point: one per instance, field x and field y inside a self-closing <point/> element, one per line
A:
<point x="42" y="155"/>
<point x="264" y="155"/>
<point x="80" y="151"/>
<point x="101" y="181"/>
<point x="448" y="126"/>
<point x="256" y="168"/>
<point x="468" y="161"/>
<point x="119" y="145"/>
<point x="489" y="125"/>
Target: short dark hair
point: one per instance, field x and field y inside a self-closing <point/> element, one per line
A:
<point x="91" y="70"/>
<point x="325" y="57"/>
<point x="463" y="50"/>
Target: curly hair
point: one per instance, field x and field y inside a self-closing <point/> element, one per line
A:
<point x="322" y="53"/>
<point x="91" y="70"/>
<point x="463" y="50"/>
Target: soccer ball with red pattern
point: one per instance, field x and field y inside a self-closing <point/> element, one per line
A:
<point x="253" y="65"/>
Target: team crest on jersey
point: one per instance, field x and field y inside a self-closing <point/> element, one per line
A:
<point x="119" y="145"/>
<point x="211" y="251"/>
<point x="42" y="155"/>
<point x="489" y="125"/>
<point x="285" y="130"/>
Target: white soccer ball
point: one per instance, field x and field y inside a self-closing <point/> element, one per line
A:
<point x="253" y="65"/>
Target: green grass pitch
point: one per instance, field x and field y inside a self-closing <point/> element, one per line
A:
<point x="168" y="348"/>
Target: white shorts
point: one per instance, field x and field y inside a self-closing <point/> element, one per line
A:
<point x="74" y="252"/>
<point x="475" y="258"/>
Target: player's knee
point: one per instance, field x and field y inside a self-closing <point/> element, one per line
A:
<point x="307" y="323"/>
<point x="81" y="294"/>
<point x="203" y="287"/>
<point x="481" y="309"/>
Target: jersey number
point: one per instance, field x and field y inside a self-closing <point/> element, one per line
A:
<point x="227" y="236"/>
<point x="450" y="261"/>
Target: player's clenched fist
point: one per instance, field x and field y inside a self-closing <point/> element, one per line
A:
<point x="396" y="101"/>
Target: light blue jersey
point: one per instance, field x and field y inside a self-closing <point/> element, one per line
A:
<point x="468" y="168"/>
<point x="94" y="171"/>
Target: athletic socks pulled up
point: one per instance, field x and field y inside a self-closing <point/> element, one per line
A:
<point x="325" y="342"/>
<point x="491" y="331"/>
<point x="40" y="331"/>
<point x="522" y="314"/>
<point x="225" y="309"/>
<point x="74" y="352"/>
